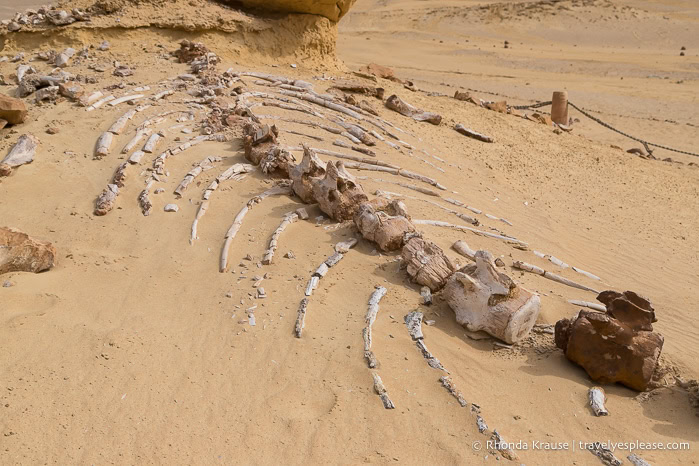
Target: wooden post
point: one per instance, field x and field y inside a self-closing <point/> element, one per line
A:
<point x="559" y="107"/>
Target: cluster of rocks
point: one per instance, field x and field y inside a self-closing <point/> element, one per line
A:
<point x="44" y="17"/>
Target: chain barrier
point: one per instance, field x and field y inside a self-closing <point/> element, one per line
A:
<point x="646" y="144"/>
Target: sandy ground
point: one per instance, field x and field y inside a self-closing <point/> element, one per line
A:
<point x="130" y="350"/>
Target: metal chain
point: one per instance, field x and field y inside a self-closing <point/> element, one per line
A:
<point x="608" y="126"/>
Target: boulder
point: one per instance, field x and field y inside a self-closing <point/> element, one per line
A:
<point x="13" y="110"/>
<point x="21" y="253"/>
<point x="384" y="222"/>
<point x="426" y="263"/>
<point x="484" y="299"/>
<point x="331" y="9"/>
<point x="618" y="345"/>
<point x="338" y="194"/>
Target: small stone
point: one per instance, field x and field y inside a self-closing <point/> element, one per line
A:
<point x="13" y="110"/>
<point x="229" y="295"/>
<point x="104" y="46"/>
<point x="123" y="71"/>
<point x="159" y="190"/>
<point x="187" y="77"/>
<point x="290" y="255"/>
<point x="172" y="208"/>
<point x="48" y="93"/>
<point x="293" y="65"/>
<point x="14" y="27"/>
<point x="52" y="130"/>
<point x="7" y="284"/>
<point x="302" y="213"/>
<point x="261" y="293"/>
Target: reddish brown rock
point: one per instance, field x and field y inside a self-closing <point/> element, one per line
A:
<point x="384" y="222"/>
<point x="618" y="345"/>
<point x="5" y="169"/>
<point x="426" y="263"/>
<point x="500" y="107"/>
<point x="21" y="253"/>
<point x="13" y="110"/>
<point x="338" y="194"/>
<point x="380" y="71"/>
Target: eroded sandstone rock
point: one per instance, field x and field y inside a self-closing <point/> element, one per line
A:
<point x="21" y="253"/>
<point x="13" y="110"/>
<point x="618" y="345"/>
<point x="331" y="9"/>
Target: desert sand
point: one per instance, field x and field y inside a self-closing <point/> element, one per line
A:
<point x="135" y="349"/>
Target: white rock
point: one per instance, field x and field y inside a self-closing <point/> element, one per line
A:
<point x="172" y="208"/>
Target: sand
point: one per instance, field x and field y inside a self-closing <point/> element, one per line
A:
<point x="130" y="351"/>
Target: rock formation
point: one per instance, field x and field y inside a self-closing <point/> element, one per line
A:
<point x="21" y="253"/>
<point x="331" y="9"/>
<point x="618" y="345"/>
<point x="484" y="299"/>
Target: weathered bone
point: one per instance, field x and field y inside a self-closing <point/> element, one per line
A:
<point x="202" y="166"/>
<point x="22" y="152"/>
<point x="484" y="299"/>
<point x="381" y="391"/>
<point x="338" y="194"/>
<point x="104" y="144"/>
<point x="551" y="276"/>
<point x="472" y="134"/>
<point x="399" y="105"/>
<point x="105" y="201"/>
<point x="438" y="223"/>
<point x="301" y="318"/>
<point x="383" y="222"/>
<point x="238" y="221"/>
<point x="121" y="123"/>
<point x="135" y="140"/>
<point x="597" y="398"/>
<point x="426" y="263"/>
<point x="289" y="218"/>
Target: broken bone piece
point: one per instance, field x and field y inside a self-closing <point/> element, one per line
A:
<point x="472" y="134"/>
<point x="380" y="390"/>
<point x="397" y="104"/>
<point x="597" y="397"/>
<point x="22" y="152"/>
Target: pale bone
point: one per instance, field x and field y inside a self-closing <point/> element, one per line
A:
<point x="135" y="140"/>
<point x="202" y="166"/>
<point x="380" y="390"/>
<point x="120" y="174"/>
<point x="312" y="124"/>
<point x="484" y="299"/>
<point x="552" y="259"/>
<point x="472" y="134"/>
<point x="587" y="274"/>
<point x="323" y="103"/>
<point x="230" y="173"/>
<point x="162" y="94"/>
<point x="289" y="218"/>
<point x="426" y="294"/>
<point x="396" y="171"/>
<point x="136" y="157"/>
<point x="100" y="102"/>
<point x="462" y="248"/>
<point x="502" y="446"/>
<point x="362" y="150"/>
<point x="461" y="204"/>
<point x="431" y="360"/>
<point x="551" y="276"/>
<point x="89" y="100"/>
<point x="372" y="311"/>
<point x="104" y="143"/>
<point x="464" y="217"/>
<point x="321" y="270"/>
<point x="238" y="221"/>
<point x="340" y="155"/>
<point x="127" y="98"/>
<point x="312" y="285"/>
<point x="419" y="189"/>
<point x="301" y="318"/>
<point x="344" y="246"/>
<point x="334" y="259"/>
<point x="152" y="141"/>
<point x="22" y="152"/>
<point x="448" y="383"/>
<point x="597" y="398"/>
<point x="121" y="123"/>
<point x="595" y="306"/>
<point x="200" y="213"/>
<point x="438" y="223"/>
<point x="637" y="460"/>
